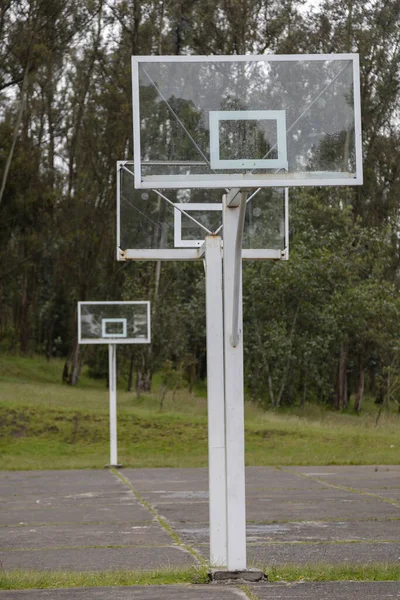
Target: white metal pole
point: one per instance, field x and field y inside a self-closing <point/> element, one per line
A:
<point x="112" y="379"/>
<point x="216" y="402"/>
<point x="234" y="397"/>
<point x="286" y="223"/>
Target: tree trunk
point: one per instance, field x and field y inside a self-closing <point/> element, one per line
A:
<point x="347" y="387"/>
<point x="49" y="337"/>
<point x="360" y="386"/>
<point x="270" y="386"/>
<point x="303" y="389"/>
<point x="24" y="322"/>
<point x="17" y="125"/>
<point x="73" y="365"/>
<point x="130" y="376"/>
<point x="289" y="360"/>
<point x="341" y="385"/>
<point x="144" y="372"/>
<point x="143" y="380"/>
<point x="74" y="372"/>
<point x="163" y="391"/>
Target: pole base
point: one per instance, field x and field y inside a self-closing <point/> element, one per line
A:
<point x="113" y="466"/>
<point x="245" y="575"/>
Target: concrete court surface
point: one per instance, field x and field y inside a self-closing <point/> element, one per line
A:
<point x="94" y="520"/>
<point x="303" y="591"/>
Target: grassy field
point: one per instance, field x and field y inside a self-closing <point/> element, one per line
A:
<point x="47" y="425"/>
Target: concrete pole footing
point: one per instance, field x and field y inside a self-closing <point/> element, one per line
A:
<point x="245" y="575"/>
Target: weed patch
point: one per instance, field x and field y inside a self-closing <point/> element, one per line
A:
<point x="326" y="572"/>
<point x="18" y="579"/>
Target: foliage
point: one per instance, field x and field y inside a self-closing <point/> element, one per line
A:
<point x="321" y="327"/>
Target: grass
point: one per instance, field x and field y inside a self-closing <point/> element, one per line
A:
<point x="21" y="579"/>
<point x="45" y="424"/>
<point x="327" y="572"/>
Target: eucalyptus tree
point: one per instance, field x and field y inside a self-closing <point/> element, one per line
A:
<point x="36" y="38"/>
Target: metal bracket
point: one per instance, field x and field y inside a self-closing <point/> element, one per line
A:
<point x="233" y="197"/>
<point x="120" y="254"/>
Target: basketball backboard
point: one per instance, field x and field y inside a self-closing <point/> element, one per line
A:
<point x="114" y="322"/>
<point x="172" y="224"/>
<point x="246" y="121"/>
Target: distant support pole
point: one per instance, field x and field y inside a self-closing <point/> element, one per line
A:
<point x="234" y="394"/>
<point x="216" y="403"/>
<point x="112" y="379"/>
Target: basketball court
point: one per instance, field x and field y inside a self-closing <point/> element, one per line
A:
<point x="218" y="142"/>
<point x="101" y="519"/>
<point x="96" y="521"/>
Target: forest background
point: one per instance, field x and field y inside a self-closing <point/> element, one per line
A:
<point x="322" y="327"/>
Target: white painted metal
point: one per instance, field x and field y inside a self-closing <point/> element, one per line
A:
<point x="182" y="208"/>
<point x="234" y="401"/>
<point x="112" y="384"/>
<point x="261" y="254"/>
<point x="192" y="254"/>
<point x="216" y="403"/>
<point x="286" y="225"/>
<point x="233" y="197"/>
<point x="244" y="180"/>
<point x="237" y="277"/>
<point x="185" y="253"/>
<point x="136" y="119"/>
<point x="279" y="116"/>
<point x="118" y="231"/>
<point x="114" y="302"/>
<point x="117" y="339"/>
<point x="112" y="360"/>
<point x="176" y="206"/>
<point x="243" y="58"/>
<point x="160" y="254"/>
<point x="267" y="180"/>
<point x="357" y="111"/>
<point x="121" y="322"/>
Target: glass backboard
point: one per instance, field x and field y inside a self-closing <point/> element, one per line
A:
<point x="114" y="322"/>
<point x="246" y="121"/>
<point x="166" y="224"/>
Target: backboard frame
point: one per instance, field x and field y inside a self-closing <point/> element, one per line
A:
<point x="324" y="178"/>
<point x="187" y="207"/>
<point x="115" y="339"/>
<point x="192" y="253"/>
<point x="238" y="115"/>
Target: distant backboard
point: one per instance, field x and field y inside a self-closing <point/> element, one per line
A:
<point x="114" y="322"/>
<point x="246" y="121"/>
<point x="172" y="224"/>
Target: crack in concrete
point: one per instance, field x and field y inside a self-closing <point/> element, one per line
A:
<point x="162" y="521"/>
<point x="344" y="488"/>
<point x="107" y="547"/>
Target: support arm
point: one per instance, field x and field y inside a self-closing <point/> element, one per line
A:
<point x="238" y="269"/>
